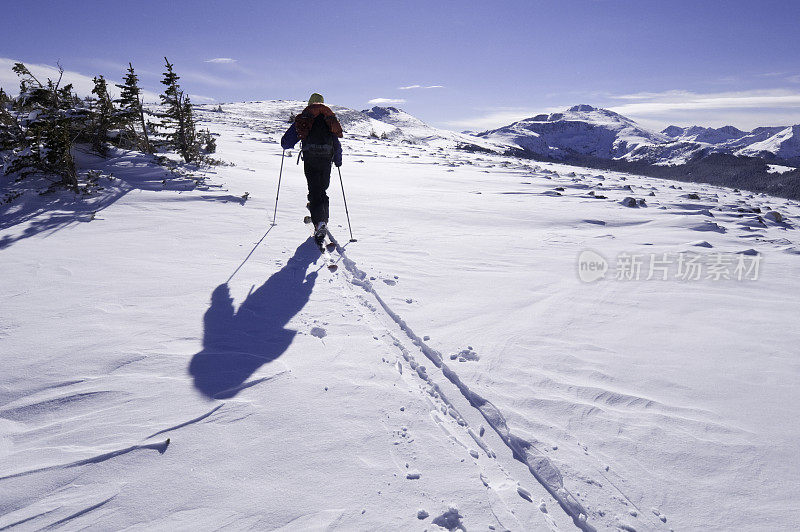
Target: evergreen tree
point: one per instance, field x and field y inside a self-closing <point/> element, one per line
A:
<point x="192" y="143"/>
<point x="102" y="115"/>
<point x="173" y="116"/>
<point x="131" y="111"/>
<point x="9" y="131"/>
<point x="48" y="130"/>
<point x="9" y="136"/>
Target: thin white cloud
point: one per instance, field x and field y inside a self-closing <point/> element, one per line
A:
<point x="411" y="87"/>
<point x="655" y="103"/>
<point x="199" y="98"/>
<point x="221" y="60"/>
<point x="81" y="83"/>
<point x="499" y="117"/>
<point x="207" y="79"/>
<point x="379" y="101"/>
<point x="743" y="109"/>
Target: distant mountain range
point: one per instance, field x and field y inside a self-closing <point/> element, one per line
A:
<point x="765" y="159"/>
<point x="584" y="130"/>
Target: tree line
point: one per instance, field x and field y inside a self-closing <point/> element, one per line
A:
<point x="41" y="126"/>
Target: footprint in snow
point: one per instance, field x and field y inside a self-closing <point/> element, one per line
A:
<point x="319" y="332"/>
<point x="658" y="514"/>
<point x="390" y="282"/>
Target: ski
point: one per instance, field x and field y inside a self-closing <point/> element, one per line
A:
<point x="326" y="245"/>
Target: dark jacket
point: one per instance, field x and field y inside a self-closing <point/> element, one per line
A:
<point x="290" y="138"/>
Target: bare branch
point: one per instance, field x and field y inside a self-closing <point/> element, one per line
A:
<point x="60" y="73"/>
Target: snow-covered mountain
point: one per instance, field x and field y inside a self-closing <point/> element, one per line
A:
<point x="415" y="130"/>
<point x="781" y="142"/>
<point x="783" y="145"/>
<point x="401" y="119"/>
<point x="580" y="130"/>
<point x="583" y="130"/>
<point x="708" y="135"/>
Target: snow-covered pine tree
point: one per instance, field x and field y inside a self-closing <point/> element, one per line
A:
<point x="182" y="137"/>
<point x="131" y="112"/>
<point x="102" y="116"/>
<point x="9" y="129"/>
<point x="192" y="143"/>
<point x="51" y="116"/>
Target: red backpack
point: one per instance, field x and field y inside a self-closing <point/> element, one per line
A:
<point x="305" y="120"/>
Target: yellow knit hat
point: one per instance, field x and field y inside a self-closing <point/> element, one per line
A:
<point x="316" y="98"/>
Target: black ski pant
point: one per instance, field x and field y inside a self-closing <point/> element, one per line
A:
<point x="318" y="176"/>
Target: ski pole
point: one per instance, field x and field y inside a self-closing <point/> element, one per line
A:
<point x="280" y="174"/>
<point x="345" y="205"/>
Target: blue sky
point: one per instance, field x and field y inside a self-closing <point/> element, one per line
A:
<point x="471" y="65"/>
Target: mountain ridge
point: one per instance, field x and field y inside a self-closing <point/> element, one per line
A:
<point x="584" y="130"/>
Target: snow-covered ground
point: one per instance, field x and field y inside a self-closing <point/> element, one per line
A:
<point x="173" y="361"/>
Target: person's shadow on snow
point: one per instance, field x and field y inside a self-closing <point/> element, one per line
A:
<point x="236" y="344"/>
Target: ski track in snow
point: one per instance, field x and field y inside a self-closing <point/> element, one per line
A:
<point x="538" y="464"/>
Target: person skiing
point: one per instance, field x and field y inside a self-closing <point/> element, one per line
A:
<point x="319" y="131"/>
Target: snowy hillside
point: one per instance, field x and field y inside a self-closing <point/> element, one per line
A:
<point x="388" y="123"/>
<point x="397" y="117"/>
<point x="172" y="361"/>
<point x="416" y="131"/>
<point x="276" y="116"/>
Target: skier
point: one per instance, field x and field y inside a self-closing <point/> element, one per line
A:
<point x="319" y="131"/>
